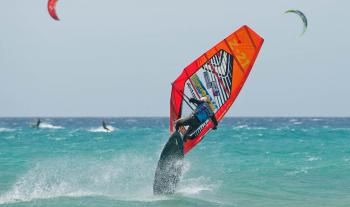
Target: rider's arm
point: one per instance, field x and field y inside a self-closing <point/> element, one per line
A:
<point x="215" y="122"/>
<point x="195" y="101"/>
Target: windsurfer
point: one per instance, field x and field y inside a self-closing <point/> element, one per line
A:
<point x="38" y="122"/>
<point x="202" y="113"/>
<point x="104" y="125"/>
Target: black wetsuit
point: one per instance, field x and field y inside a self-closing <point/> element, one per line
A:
<point x="195" y="119"/>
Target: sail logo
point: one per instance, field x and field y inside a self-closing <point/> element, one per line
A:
<point x="200" y="87"/>
<point x="240" y="56"/>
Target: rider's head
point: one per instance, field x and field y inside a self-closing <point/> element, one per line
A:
<point x="182" y="130"/>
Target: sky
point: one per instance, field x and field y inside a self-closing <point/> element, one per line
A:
<point x="118" y="58"/>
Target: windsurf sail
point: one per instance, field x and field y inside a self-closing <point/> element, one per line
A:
<point x="218" y="74"/>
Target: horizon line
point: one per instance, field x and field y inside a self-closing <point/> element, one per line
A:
<point x="109" y="117"/>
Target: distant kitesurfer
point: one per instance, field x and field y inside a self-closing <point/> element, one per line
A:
<point x="202" y="113"/>
<point x="104" y="125"/>
<point x="38" y="123"/>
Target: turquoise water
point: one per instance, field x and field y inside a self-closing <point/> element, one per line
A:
<point x="247" y="162"/>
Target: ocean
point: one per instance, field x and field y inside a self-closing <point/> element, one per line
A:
<point x="246" y="162"/>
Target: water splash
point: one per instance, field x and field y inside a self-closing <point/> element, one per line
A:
<point x="6" y="130"/>
<point x="101" y="129"/>
<point x="125" y="177"/>
<point x="49" y="126"/>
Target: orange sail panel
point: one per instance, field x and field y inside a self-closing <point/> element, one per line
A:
<point x="218" y="74"/>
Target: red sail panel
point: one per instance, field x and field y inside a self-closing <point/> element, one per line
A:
<point x="51" y="6"/>
<point x="218" y="74"/>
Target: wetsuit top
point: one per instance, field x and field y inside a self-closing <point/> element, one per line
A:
<point x="203" y="111"/>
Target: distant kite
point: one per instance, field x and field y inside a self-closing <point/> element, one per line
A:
<point x="51" y="7"/>
<point x="301" y="15"/>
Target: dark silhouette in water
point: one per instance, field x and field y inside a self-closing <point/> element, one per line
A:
<point x="38" y="122"/>
<point x="104" y="125"/>
<point x="169" y="169"/>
